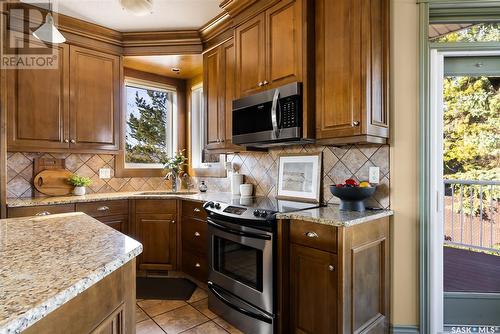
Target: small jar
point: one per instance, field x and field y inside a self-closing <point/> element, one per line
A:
<point x="203" y="187"/>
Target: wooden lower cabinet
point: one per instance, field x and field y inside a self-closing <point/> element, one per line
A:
<point x="40" y="210"/>
<point x="119" y="223"/>
<point x="345" y="290"/>
<point x="108" y="307"/>
<point x="313" y="285"/>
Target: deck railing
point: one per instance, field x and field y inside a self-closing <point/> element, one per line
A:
<point x="471" y="214"/>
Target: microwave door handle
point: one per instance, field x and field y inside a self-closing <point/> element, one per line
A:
<point x="219" y="295"/>
<point x="274" y="113"/>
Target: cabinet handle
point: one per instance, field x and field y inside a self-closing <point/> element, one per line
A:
<point x="196" y="234"/>
<point x="66" y="140"/>
<point x="197" y="265"/>
<point x="72" y="141"/>
<point x="260" y="84"/>
<point x="173" y="221"/>
<point x="355" y="123"/>
<point x="331" y="268"/>
<point x="103" y="208"/>
<point x="265" y="83"/>
<point x="43" y="213"/>
<point x="196" y="210"/>
<point x="311" y="234"/>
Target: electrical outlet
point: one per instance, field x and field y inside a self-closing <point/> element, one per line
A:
<point x="374" y="176"/>
<point x="104" y="173"/>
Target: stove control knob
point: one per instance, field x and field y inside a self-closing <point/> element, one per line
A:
<point x="217" y="206"/>
<point x="263" y="214"/>
<point x="210" y="204"/>
<point x="256" y="213"/>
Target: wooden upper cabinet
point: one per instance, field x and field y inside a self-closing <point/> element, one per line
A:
<point x="250" y="55"/>
<point x="211" y="65"/>
<point x="284" y="43"/>
<point x="94" y="99"/>
<point x="352" y="53"/>
<point x="38" y="105"/>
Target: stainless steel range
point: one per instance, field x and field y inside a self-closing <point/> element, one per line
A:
<point x="241" y="260"/>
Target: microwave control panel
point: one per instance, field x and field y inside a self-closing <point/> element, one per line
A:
<point x="289" y="113"/>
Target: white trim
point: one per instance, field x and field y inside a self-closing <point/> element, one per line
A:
<point x="436" y="191"/>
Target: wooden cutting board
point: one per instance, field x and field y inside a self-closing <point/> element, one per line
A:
<point x="53" y="182"/>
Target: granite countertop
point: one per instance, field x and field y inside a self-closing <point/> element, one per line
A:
<point x="333" y="216"/>
<point x="47" y="261"/>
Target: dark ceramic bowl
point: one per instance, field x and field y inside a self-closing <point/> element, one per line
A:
<point x="351" y="198"/>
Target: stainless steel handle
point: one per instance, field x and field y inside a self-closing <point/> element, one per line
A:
<point x="274" y="113"/>
<point x="331" y="268"/>
<point x="72" y="141"/>
<point x="196" y="210"/>
<point x="265" y="83"/>
<point x="197" y="234"/>
<point x="43" y="213"/>
<point x="355" y="123"/>
<point x="103" y="208"/>
<point x="197" y="265"/>
<point x="260" y="84"/>
<point x="66" y="140"/>
<point x="311" y="234"/>
<point x="173" y="221"/>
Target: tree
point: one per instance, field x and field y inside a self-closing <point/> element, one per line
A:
<point x="148" y="131"/>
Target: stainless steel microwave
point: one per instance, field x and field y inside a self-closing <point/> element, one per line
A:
<point x="270" y="118"/>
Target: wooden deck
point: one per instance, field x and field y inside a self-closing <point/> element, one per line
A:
<point x="467" y="271"/>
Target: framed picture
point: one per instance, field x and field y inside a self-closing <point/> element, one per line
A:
<point x="299" y="177"/>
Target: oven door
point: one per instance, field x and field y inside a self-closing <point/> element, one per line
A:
<point x="241" y="262"/>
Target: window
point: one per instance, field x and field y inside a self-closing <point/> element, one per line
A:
<point x="150" y="131"/>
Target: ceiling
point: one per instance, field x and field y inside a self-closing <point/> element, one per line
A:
<point x="167" y="14"/>
<point x="189" y="65"/>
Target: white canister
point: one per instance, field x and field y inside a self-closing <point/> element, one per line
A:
<point x="246" y="190"/>
<point x="236" y="181"/>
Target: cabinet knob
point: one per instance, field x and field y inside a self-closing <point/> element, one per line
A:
<point x="311" y="234"/>
<point x="260" y="84"/>
<point x="172" y="221"/>
<point x="197" y="234"/>
<point x="331" y="268"/>
<point x="72" y="141"/>
<point x="196" y="210"/>
<point x="66" y="140"/>
<point x="355" y="123"/>
<point x="265" y="83"/>
<point x="103" y="208"/>
<point x="43" y="213"/>
<point x="197" y="265"/>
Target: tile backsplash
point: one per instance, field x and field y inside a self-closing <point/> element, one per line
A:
<point x="259" y="168"/>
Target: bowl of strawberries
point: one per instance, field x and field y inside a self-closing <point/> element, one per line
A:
<point x="352" y="194"/>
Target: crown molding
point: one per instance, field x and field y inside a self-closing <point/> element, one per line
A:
<point x="235" y="7"/>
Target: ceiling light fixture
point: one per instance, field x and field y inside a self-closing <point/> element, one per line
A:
<point x="48" y="32"/>
<point x="138" y="7"/>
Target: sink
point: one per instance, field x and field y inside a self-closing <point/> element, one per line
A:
<point x="146" y="193"/>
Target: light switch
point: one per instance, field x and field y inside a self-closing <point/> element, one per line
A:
<point x="374" y="176"/>
<point x="104" y="173"/>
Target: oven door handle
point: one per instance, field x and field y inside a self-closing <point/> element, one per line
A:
<point x="274" y="113"/>
<point x="239" y="233"/>
<point x="218" y="294"/>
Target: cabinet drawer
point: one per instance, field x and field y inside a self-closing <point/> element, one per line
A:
<point x="314" y="235"/>
<point x="156" y="206"/>
<point x="193" y="209"/>
<point x="41" y="210"/>
<point x="104" y="208"/>
<point x="194" y="235"/>
<point x="119" y="223"/>
<point x="195" y="265"/>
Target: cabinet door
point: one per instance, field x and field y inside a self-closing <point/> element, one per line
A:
<point x="119" y="223"/>
<point x="157" y="233"/>
<point x="313" y="285"/>
<point x="211" y="90"/>
<point x="338" y="68"/>
<point x="250" y="55"/>
<point x="284" y="43"/>
<point x="38" y="106"/>
<point x="94" y="99"/>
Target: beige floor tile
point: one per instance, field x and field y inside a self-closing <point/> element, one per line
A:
<point x="228" y="327"/>
<point x="153" y="307"/>
<point x="140" y="315"/>
<point x="202" y="306"/>
<point x="197" y="295"/>
<point x="206" y="328"/>
<point x="180" y="319"/>
<point x="148" y="327"/>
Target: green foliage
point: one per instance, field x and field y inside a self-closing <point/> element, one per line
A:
<point x="79" y="181"/>
<point x="173" y="165"/>
<point x="148" y="130"/>
<point x="485" y="32"/>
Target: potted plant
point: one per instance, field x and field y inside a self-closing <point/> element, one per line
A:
<point x="79" y="182"/>
<point x="173" y="167"/>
